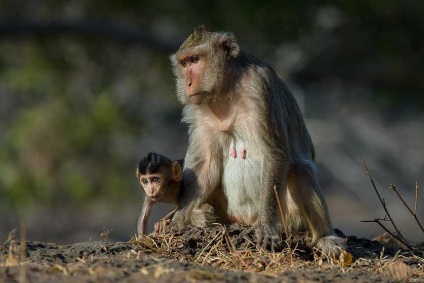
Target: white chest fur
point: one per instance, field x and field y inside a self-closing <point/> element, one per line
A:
<point x="241" y="180"/>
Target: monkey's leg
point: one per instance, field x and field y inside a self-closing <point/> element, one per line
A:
<point x="268" y="227"/>
<point x="203" y="216"/>
<point x="200" y="183"/>
<point x="306" y="193"/>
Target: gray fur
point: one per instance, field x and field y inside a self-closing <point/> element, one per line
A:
<point x="260" y="114"/>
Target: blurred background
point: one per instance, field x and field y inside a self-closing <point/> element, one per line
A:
<point x="86" y="90"/>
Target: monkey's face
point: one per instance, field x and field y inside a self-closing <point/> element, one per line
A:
<point x="193" y="68"/>
<point x="201" y="65"/>
<point x="154" y="185"/>
<point x="195" y="82"/>
<point x="158" y="176"/>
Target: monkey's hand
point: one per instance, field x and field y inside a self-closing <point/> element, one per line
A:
<point x="267" y="234"/>
<point x="161" y="225"/>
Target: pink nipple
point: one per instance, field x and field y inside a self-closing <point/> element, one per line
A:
<point x="243" y="153"/>
<point x="233" y="152"/>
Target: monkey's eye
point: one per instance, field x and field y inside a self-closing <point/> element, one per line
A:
<point x="194" y="59"/>
<point x="144" y="181"/>
<point x="156" y="179"/>
<point x="183" y="63"/>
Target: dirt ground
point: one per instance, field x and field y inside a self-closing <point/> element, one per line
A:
<point x="215" y="254"/>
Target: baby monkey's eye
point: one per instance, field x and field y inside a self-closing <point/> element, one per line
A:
<point x="156" y="180"/>
<point x="144" y="181"/>
<point x="194" y="59"/>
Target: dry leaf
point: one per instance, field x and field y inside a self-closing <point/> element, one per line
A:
<point x="60" y="268"/>
<point x="398" y="270"/>
<point x="345" y="258"/>
<point x="160" y="271"/>
<point x="390" y="242"/>
<point x="11" y="260"/>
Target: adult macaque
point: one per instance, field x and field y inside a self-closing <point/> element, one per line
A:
<point x="161" y="180"/>
<point x="246" y="135"/>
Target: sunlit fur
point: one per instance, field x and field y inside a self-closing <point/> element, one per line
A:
<point x="248" y="106"/>
<point x="170" y="190"/>
<point x="209" y="46"/>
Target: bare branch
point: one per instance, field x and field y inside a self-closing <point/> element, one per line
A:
<point x="378" y="221"/>
<point x="401" y="238"/>
<point x="282" y="215"/>
<point x="393" y="188"/>
<point x="416" y="197"/>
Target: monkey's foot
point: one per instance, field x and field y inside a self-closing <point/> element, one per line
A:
<point x="266" y="235"/>
<point x="203" y="216"/>
<point x="330" y="245"/>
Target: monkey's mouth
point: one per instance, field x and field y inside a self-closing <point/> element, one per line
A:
<point x="196" y="98"/>
<point x="156" y="197"/>
<point x="199" y="94"/>
<point x="195" y="94"/>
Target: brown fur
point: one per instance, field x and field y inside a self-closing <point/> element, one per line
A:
<point x="235" y="102"/>
<point x="166" y="189"/>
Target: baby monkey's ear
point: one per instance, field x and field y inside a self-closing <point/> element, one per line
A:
<point x="137" y="173"/>
<point x="178" y="171"/>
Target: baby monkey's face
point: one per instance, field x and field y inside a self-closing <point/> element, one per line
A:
<point x="154" y="185"/>
<point x="159" y="176"/>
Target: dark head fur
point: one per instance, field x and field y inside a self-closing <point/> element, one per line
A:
<point x="195" y="38"/>
<point x="151" y="163"/>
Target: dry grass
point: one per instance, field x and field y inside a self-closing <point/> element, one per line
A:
<point x="221" y="251"/>
<point x="227" y="248"/>
<point x="233" y="249"/>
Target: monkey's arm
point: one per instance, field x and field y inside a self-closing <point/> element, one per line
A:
<point x="275" y="148"/>
<point x="268" y="227"/>
<point x="144" y="215"/>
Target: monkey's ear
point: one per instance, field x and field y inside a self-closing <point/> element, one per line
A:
<point x="229" y="44"/>
<point x="137" y="173"/>
<point x="200" y="29"/>
<point x="178" y="171"/>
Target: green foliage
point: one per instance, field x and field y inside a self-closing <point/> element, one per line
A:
<point x="72" y="106"/>
<point x="58" y="127"/>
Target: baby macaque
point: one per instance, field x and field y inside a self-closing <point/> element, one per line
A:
<point x="162" y="181"/>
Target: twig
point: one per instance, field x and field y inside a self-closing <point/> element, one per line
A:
<point x="416" y="197"/>
<point x="22" y="257"/>
<point x="377" y="220"/>
<point x="23" y="242"/>
<point x="393" y="187"/>
<point x="232" y="248"/>
<point x="399" y="235"/>
<point x="283" y="220"/>
<point x="220" y="233"/>
<point x="282" y="215"/>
